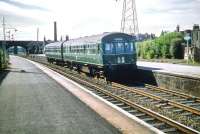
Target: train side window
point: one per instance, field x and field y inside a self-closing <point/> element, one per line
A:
<point x="87" y="49"/>
<point x="107" y="47"/>
<point x="113" y="49"/>
<point x="78" y="49"/>
<point x="127" y="47"/>
<point x="70" y="49"/>
<point x="74" y="49"/>
<point x="83" y="48"/>
<point x="131" y="47"/>
<point x="98" y="48"/>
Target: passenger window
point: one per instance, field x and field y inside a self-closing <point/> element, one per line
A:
<point x="108" y="47"/>
<point x="112" y="49"/>
<point x="131" y="47"/>
<point x="123" y="60"/>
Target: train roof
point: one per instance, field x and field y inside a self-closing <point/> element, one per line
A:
<point x="54" y="44"/>
<point x="91" y="39"/>
<point x="87" y="39"/>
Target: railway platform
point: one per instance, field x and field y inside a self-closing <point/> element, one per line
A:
<point x="183" y="78"/>
<point x="37" y="100"/>
<point x="184" y="70"/>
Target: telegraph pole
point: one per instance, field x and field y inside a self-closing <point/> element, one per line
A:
<point x="187" y="38"/>
<point x="4" y="29"/>
<point x="37" y="34"/>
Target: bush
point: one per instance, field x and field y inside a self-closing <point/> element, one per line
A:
<point x="3" y="58"/>
<point x="176" y="50"/>
<point x="165" y="51"/>
<point x="161" y="47"/>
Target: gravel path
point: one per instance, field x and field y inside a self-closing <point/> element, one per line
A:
<point x="33" y="103"/>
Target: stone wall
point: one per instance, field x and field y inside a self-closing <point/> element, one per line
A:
<point x="197" y="54"/>
<point x="196" y="44"/>
<point x="176" y="82"/>
<point x="180" y="83"/>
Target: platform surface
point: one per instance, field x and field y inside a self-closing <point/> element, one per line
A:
<point x="33" y="103"/>
<point x="185" y="70"/>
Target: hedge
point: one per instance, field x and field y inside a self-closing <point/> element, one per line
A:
<point x="3" y="58"/>
<point x="166" y="46"/>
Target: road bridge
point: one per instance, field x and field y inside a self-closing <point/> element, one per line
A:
<point x="31" y="47"/>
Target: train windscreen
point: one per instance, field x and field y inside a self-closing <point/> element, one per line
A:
<point x="119" y="48"/>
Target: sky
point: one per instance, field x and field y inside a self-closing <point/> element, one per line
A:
<point x="86" y="17"/>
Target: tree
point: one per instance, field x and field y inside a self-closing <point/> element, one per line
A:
<point x="176" y="50"/>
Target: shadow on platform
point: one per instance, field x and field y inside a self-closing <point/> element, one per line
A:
<point x="24" y="71"/>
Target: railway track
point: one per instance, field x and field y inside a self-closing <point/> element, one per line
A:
<point x="182" y="98"/>
<point x="122" y="96"/>
<point x="160" y="101"/>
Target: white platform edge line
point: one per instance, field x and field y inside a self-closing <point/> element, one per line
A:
<point x="46" y="70"/>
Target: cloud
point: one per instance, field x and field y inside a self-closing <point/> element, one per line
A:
<point x="167" y="14"/>
<point x="25" y="25"/>
<point x="24" y="6"/>
<point x="85" y="17"/>
<point x="175" y="6"/>
<point x="19" y="20"/>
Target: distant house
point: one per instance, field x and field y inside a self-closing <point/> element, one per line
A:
<point x="196" y="42"/>
<point x="146" y="36"/>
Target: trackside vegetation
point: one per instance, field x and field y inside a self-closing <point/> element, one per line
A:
<point x="167" y="46"/>
<point x="3" y="58"/>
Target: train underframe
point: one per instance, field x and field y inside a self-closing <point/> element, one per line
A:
<point x="109" y="72"/>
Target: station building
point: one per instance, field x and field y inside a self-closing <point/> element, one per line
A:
<point x="194" y="43"/>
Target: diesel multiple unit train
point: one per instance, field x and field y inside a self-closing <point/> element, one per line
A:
<point x="110" y="54"/>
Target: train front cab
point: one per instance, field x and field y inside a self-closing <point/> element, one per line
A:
<point x="119" y="56"/>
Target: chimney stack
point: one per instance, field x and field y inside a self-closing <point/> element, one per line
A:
<point x="55" y="31"/>
<point x="66" y="38"/>
<point x="178" y="28"/>
<point x="196" y="27"/>
<point x="44" y="38"/>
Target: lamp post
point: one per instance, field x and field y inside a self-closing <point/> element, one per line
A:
<point x="187" y="38"/>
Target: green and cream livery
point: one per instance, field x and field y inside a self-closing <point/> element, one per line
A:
<point x="109" y="53"/>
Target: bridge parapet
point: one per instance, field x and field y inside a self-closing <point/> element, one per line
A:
<point x="31" y="47"/>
